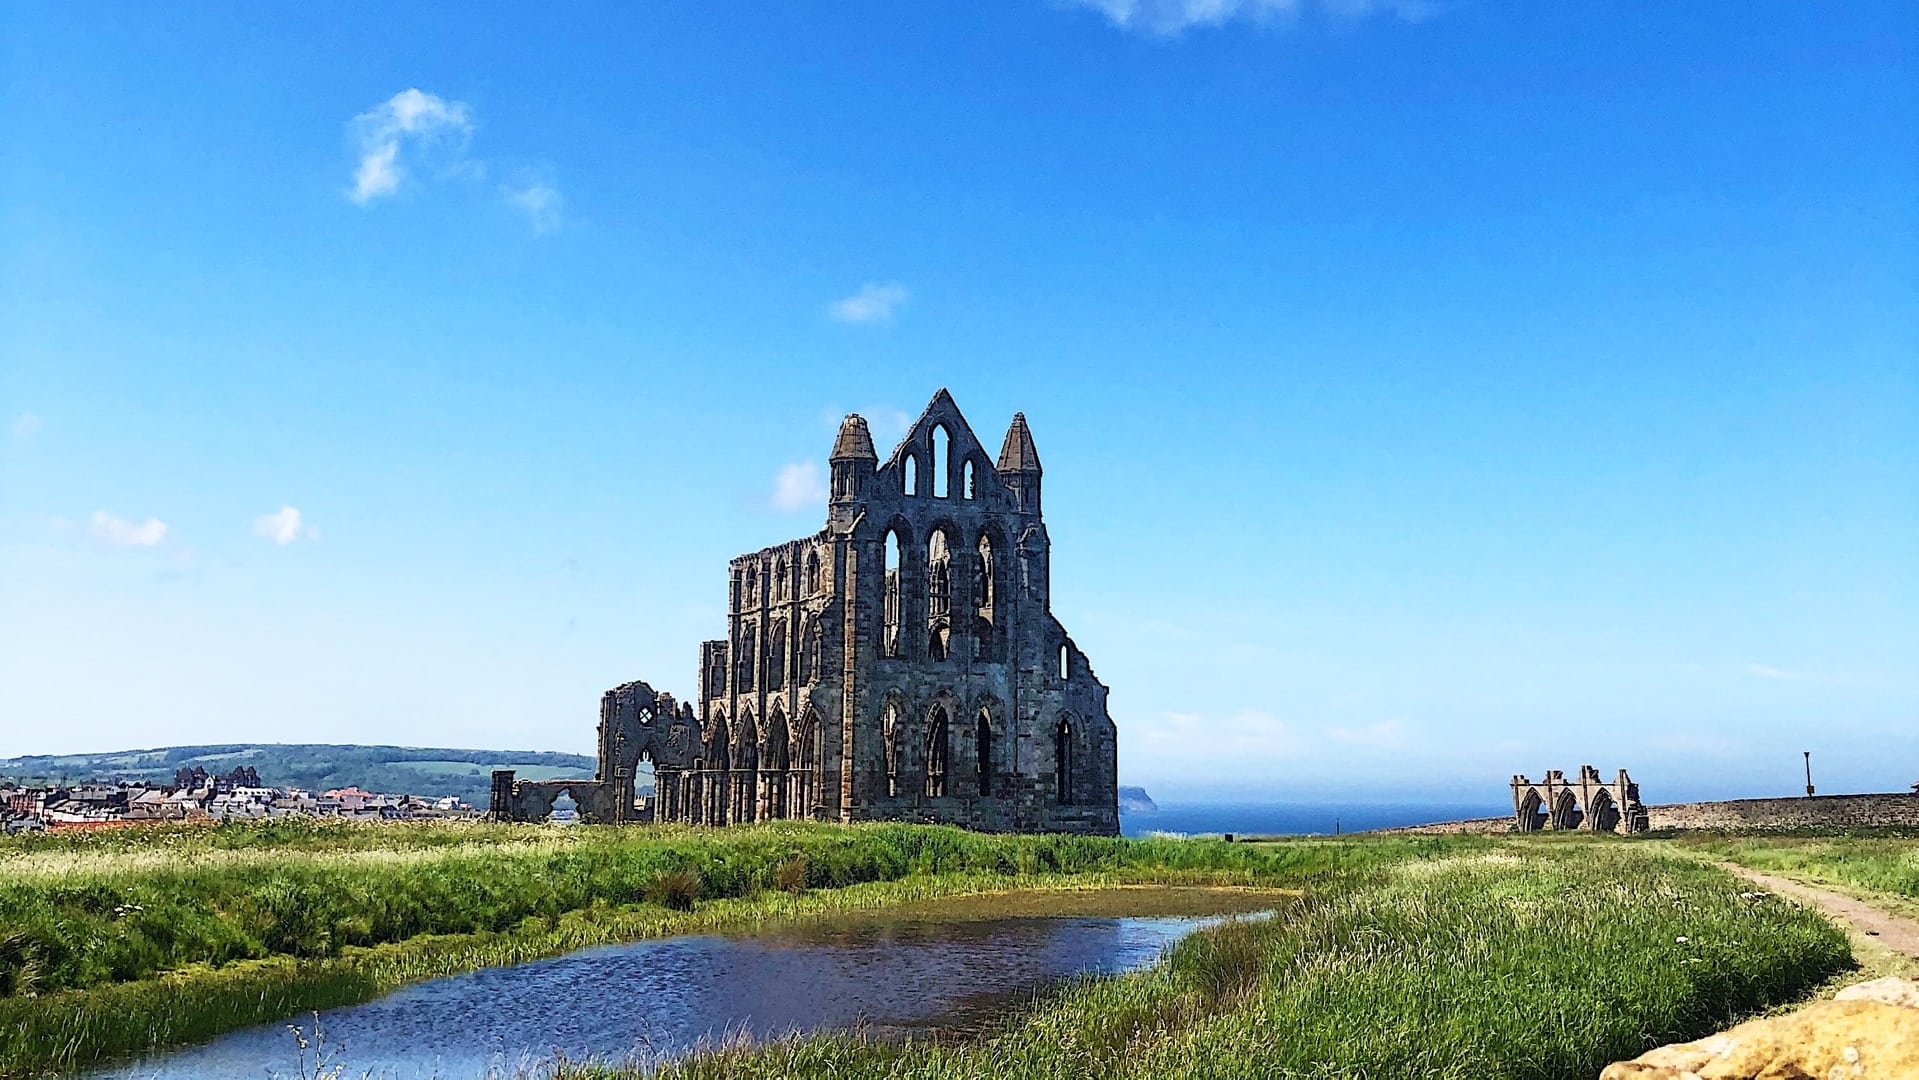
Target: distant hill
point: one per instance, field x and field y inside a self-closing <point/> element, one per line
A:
<point x="1134" y="800"/>
<point x="407" y="770"/>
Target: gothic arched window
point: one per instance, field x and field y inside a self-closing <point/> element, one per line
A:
<point x="1063" y="762"/>
<point x="983" y="736"/>
<point x="776" y="655"/>
<point x="939" y="595"/>
<point x="890" y="615"/>
<point x="936" y="753"/>
<point x="890" y="734"/>
<point x="810" y="651"/>
<point x="743" y="652"/>
<point x="942" y="460"/>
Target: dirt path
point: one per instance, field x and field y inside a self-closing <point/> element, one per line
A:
<point x="1894" y="932"/>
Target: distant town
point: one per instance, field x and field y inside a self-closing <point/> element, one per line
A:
<point x="196" y="795"/>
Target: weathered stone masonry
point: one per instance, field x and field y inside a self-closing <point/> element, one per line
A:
<point x="1587" y="803"/>
<point x="901" y="664"/>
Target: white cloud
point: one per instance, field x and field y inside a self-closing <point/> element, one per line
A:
<point x="24" y="427"/>
<point x="122" y="533"/>
<point x="874" y="303"/>
<point x="1170" y="17"/>
<point x="284" y="526"/>
<point x="799" y="486"/>
<point x="541" y="202"/>
<point x="411" y="120"/>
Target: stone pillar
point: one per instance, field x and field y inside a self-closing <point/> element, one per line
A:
<point x="852" y="608"/>
<point x="501" y="808"/>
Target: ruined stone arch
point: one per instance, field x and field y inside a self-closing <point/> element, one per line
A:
<point x="808" y="764"/>
<point x="812" y="571"/>
<point x="1530" y="813"/>
<point x="743" y="805"/>
<point x="775" y="763"/>
<point x="1584" y="801"/>
<point x="1565" y="811"/>
<point x="1603" y="815"/>
<point x="719" y="740"/>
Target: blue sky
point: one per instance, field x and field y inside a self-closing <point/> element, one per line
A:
<point x="1428" y="391"/>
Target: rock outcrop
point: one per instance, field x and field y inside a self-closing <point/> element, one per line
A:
<point x="1868" y="1032"/>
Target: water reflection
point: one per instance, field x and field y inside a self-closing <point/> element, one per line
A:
<point x="657" y="999"/>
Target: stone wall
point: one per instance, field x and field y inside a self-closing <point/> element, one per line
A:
<point x="1787" y="813"/>
<point x="1502" y="824"/>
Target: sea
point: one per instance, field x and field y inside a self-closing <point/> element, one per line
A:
<point x="1293" y="819"/>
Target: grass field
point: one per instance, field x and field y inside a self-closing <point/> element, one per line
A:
<point x="122" y="940"/>
<point x="1409" y="956"/>
<point x="1537" y="962"/>
<point x="1876" y="861"/>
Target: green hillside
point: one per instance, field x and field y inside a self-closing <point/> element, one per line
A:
<point x="406" y="769"/>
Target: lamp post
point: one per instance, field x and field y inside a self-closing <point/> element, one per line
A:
<point x="1808" y="754"/>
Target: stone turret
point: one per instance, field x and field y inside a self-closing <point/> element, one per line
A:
<point x="853" y="459"/>
<point x="1019" y="465"/>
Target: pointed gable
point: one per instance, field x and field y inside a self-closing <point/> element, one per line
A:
<point x="942" y="411"/>
<point x="965" y="453"/>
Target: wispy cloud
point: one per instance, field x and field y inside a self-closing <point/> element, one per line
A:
<point x="284" y="526"/>
<point x="1765" y="672"/>
<point x="873" y="303"/>
<point x="799" y="486"/>
<point x="540" y="201"/>
<point x="1699" y="744"/>
<point x="1384" y="735"/>
<point x="1170" y="17"/>
<point x="24" y="427"/>
<point x="410" y="123"/>
<point x="122" y="533"/>
<point x="1245" y="735"/>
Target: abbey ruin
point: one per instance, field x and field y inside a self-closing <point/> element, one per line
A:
<point x="901" y="664"/>
<point x="1587" y="803"/>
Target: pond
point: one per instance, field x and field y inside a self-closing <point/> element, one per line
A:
<point x="944" y="966"/>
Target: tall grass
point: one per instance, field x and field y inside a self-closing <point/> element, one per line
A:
<point x="1885" y="861"/>
<point x="79" y="915"/>
<point x="1531" y="964"/>
<point x="118" y="946"/>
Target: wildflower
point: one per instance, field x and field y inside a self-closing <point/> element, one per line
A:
<point x="1681" y="940"/>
